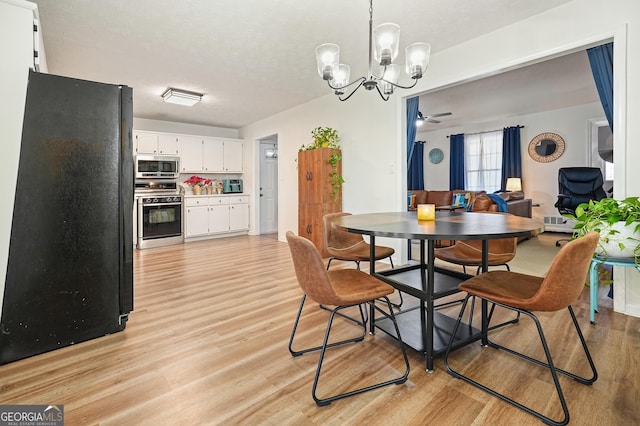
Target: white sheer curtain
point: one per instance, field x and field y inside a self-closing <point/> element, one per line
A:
<point x="483" y="161"/>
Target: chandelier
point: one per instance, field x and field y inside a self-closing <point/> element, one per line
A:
<point x="383" y="46"/>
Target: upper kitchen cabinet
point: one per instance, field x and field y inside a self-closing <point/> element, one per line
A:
<point x="156" y="143"/>
<point x="211" y="155"/>
<point x="233" y="156"/>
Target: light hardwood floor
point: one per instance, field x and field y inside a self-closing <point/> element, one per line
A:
<point x="207" y="344"/>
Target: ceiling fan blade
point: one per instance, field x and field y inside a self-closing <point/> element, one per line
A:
<point x="431" y="120"/>
<point x="441" y="114"/>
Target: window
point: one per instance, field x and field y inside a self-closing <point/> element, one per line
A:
<point x="483" y="161"/>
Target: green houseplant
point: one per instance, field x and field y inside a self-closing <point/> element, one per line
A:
<point x="617" y="221"/>
<point x="326" y="137"/>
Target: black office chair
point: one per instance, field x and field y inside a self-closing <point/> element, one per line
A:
<point x="577" y="185"/>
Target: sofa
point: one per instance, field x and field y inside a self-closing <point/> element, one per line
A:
<point x="480" y="201"/>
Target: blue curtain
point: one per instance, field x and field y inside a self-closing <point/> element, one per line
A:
<point x="415" y="176"/>
<point x="456" y="163"/>
<point x="415" y="170"/>
<point x="601" y="60"/>
<point x="511" y="157"/>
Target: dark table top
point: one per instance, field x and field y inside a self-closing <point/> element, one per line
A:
<point x="447" y="226"/>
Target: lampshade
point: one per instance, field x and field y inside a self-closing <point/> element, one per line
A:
<point x="340" y="78"/>
<point x="417" y="59"/>
<point x="327" y="58"/>
<point x="514" y="184"/>
<point x="181" y="97"/>
<point x="390" y="78"/>
<point x="387" y="40"/>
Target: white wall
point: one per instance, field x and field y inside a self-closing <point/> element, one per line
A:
<point x="373" y="131"/>
<point x="370" y="151"/>
<point x="16" y="51"/>
<point x="539" y="180"/>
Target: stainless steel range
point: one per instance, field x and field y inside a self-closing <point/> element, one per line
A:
<point x="159" y="213"/>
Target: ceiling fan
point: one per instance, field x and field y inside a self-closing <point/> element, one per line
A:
<point x="429" y="118"/>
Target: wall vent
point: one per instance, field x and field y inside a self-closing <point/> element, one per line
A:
<point x="554" y="220"/>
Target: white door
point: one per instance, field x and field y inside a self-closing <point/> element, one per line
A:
<point x="269" y="186"/>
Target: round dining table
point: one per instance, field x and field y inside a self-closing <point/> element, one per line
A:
<point x="421" y="327"/>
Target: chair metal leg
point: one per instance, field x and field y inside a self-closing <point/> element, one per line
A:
<point x="549" y="365"/>
<point x="493" y="306"/>
<point x="329" y="263"/>
<point x="303" y="351"/>
<point x="325" y="345"/>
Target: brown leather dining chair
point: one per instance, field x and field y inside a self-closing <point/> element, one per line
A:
<point x="524" y="294"/>
<point x="347" y="246"/>
<point x="342" y="288"/>
<point x="469" y="253"/>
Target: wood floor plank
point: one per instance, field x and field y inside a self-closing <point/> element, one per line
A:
<point x="207" y="344"/>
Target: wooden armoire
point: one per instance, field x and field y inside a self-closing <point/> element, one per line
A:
<point x="314" y="193"/>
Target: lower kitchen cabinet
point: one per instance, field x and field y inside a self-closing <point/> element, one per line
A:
<point x="238" y="216"/>
<point x="215" y="216"/>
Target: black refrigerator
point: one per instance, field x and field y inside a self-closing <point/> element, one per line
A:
<point x="70" y="267"/>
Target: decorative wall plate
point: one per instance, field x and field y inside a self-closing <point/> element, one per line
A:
<point x="546" y="147"/>
<point x="436" y="155"/>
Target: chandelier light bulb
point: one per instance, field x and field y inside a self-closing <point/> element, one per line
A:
<point x="340" y="78"/>
<point x="327" y="58"/>
<point x="390" y="78"/>
<point x="387" y="40"/>
<point x="417" y="59"/>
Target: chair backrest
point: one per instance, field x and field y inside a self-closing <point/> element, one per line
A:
<point x="501" y="246"/>
<point x="581" y="184"/>
<point x="335" y="238"/>
<point x="310" y="271"/>
<point x="567" y="275"/>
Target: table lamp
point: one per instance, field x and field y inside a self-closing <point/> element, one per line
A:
<point x="426" y="212"/>
<point x="514" y="184"/>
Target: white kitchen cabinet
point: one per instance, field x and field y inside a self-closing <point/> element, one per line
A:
<point x="216" y="216"/>
<point x="239" y="213"/>
<point x="156" y="143"/>
<point x="190" y="154"/>
<point x="201" y="155"/>
<point x="233" y="156"/>
<point x="218" y="219"/>
<point x="212" y="155"/>
<point x="196" y="217"/>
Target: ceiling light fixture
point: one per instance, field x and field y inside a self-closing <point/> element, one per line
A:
<point x="181" y="97"/>
<point x="385" y="50"/>
<point x="420" y="119"/>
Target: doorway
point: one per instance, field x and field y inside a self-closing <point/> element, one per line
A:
<point x="268" y="186"/>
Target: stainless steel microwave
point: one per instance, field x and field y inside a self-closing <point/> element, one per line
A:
<point x="157" y="167"/>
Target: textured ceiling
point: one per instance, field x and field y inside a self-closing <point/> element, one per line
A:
<point x="250" y="58"/>
<point x="557" y="83"/>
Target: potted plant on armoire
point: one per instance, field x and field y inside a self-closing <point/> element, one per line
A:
<point x="319" y="183"/>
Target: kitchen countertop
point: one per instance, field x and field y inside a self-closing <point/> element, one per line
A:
<point x="189" y="195"/>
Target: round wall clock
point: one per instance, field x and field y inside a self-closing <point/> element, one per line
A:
<point x="546" y="147"/>
<point x="436" y="155"/>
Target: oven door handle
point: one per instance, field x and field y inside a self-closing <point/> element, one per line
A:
<point x="160" y="204"/>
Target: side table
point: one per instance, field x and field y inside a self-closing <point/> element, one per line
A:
<point x="593" y="278"/>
